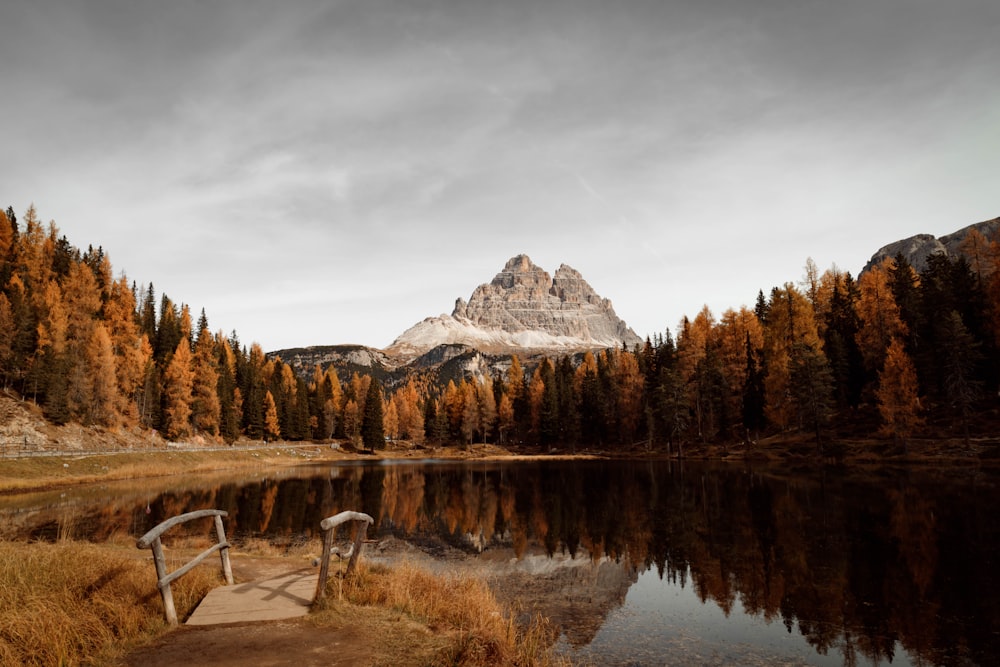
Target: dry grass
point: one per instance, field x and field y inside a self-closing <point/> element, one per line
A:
<point x="42" y="472"/>
<point x="466" y="622"/>
<point x="80" y="604"/>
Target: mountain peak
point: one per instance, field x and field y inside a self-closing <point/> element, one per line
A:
<point x="523" y="307"/>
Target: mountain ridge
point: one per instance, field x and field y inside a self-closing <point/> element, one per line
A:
<point x="918" y="247"/>
<point x="523" y="308"/>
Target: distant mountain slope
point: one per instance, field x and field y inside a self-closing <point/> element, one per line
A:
<point x="523" y="308"/>
<point x="916" y="248"/>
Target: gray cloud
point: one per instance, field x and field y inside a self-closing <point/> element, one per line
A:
<point x="317" y="172"/>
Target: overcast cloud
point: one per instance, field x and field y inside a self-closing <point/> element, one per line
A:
<point x="333" y="172"/>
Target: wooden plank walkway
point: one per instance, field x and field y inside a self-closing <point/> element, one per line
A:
<point x="285" y="596"/>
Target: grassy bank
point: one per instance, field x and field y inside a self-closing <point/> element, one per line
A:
<point x="84" y="604"/>
<point x="34" y="473"/>
<point x="45" y="472"/>
<point x="468" y="624"/>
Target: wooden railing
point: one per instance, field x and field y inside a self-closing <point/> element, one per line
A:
<point x="151" y="540"/>
<point x="329" y="526"/>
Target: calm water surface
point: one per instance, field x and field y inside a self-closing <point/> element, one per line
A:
<point x="641" y="563"/>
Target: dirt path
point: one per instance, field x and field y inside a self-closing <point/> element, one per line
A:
<point x="296" y="642"/>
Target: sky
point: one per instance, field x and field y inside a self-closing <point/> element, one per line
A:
<point x="319" y="173"/>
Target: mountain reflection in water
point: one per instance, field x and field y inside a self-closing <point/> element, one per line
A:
<point x="892" y="566"/>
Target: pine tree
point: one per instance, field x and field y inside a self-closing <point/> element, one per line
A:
<point x="372" y="425"/>
<point x="590" y="402"/>
<point x="811" y="385"/>
<point x="147" y="314"/>
<point x="206" y="410"/>
<point x="50" y="373"/>
<point x="630" y="397"/>
<point x="790" y="322"/>
<point x="8" y="329"/>
<point x="753" y="393"/>
<point x="168" y="331"/>
<point x="251" y="383"/>
<point x="569" y="415"/>
<point x="518" y="393"/>
<point x="7" y="230"/>
<point x="960" y="354"/>
<point x="840" y="343"/>
<point x="230" y="411"/>
<point x="550" y="432"/>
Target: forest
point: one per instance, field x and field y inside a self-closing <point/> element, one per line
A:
<point x="893" y="355"/>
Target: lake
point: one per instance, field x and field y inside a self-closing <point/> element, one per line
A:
<point x="637" y="563"/>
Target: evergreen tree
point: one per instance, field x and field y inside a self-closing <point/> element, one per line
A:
<point x="549" y="430"/>
<point x="905" y="285"/>
<point x="569" y="416"/>
<point x="7" y="330"/>
<point x="168" y="332"/>
<point x="147" y="314"/>
<point x="590" y="401"/>
<point x="812" y="388"/>
<point x="753" y="393"/>
<point x="206" y="409"/>
<point x="50" y="373"/>
<point x="230" y="411"/>
<point x="960" y="354"/>
<point x="372" y="428"/>
<point x="840" y="344"/>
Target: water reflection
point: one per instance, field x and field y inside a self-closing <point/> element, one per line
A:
<point x="891" y="567"/>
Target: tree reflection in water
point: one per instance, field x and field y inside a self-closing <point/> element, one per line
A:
<point x="858" y="564"/>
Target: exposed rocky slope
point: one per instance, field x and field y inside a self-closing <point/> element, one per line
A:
<point x="523" y="308"/>
<point x="916" y="248"/>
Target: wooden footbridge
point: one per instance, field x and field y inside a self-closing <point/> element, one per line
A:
<point x="285" y="596"/>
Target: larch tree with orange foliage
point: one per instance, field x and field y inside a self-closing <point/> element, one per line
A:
<point x="505" y="417"/>
<point x="272" y="427"/>
<point x="131" y="348"/>
<point x="790" y="322"/>
<point x="103" y="391"/>
<point x="879" y="315"/>
<point x="178" y="385"/>
<point x="631" y="385"/>
<point x="206" y="410"/>
<point x="82" y="300"/>
<point x="897" y="394"/>
<point x="390" y="421"/>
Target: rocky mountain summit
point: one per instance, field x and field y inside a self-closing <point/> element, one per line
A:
<point x="523" y="308"/>
<point x="917" y="248"/>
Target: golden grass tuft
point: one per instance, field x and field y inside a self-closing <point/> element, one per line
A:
<point x="462" y="608"/>
<point x="77" y="604"/>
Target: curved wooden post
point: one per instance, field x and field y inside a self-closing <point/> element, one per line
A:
<point x="329" y="526"/>
<point x="151" y="540"/>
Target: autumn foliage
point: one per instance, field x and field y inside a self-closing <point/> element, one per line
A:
<point x="889" y="354"/>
